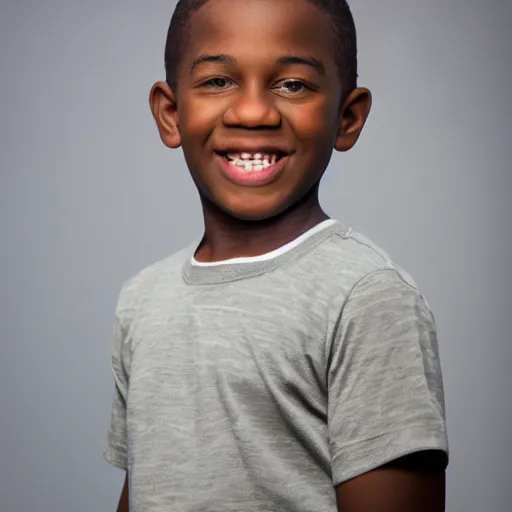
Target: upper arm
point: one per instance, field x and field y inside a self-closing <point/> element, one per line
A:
<point x="396" y="487"/>
<point x="116" y="451"/>
<point x="385" y="394"/>
<point x="124" y="500"/>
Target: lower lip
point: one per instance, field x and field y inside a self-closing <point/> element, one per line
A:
<point x="251" y="178"/>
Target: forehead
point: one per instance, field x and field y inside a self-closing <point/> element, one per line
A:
<point x="261" y="28"/>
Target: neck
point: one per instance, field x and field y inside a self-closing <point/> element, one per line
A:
<point x="226" y="237"/>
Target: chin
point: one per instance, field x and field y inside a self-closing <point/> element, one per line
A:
<point x="252" y="211"/>
<point x="251" y="215"/>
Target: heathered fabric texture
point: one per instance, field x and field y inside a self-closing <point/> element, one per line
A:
<point x="259" y="386"/>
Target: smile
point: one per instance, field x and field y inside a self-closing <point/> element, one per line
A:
<point x="256" y="169"/>
<point x="252" y="162"/>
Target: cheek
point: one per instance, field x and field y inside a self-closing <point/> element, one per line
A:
<point x="198" y="119"/>
<point x="315" y="123"/>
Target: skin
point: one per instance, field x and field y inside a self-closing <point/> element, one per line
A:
<point x="124" y="500"/>
<point x="258" y="100"/>
<point x="253" y="96"/>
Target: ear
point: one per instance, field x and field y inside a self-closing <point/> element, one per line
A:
<point x="162" y="101"/>
<point x="353" y="115"/>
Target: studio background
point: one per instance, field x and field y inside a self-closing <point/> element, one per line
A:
<point x="89" y="196"/>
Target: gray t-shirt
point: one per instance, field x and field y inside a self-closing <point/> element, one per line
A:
<point x="260" y="384"/>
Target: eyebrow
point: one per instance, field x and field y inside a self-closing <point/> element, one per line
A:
<point x="222" y="58"/>
<point x="285" y="60"/>
<point x="312" y="62"/>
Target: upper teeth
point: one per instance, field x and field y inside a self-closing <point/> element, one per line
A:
<point x="252" y="161"/>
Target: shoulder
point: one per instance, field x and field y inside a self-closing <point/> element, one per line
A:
<point x="353" y="261"/>
<point x="139" y="289"/>
<point x="382" y="301"/>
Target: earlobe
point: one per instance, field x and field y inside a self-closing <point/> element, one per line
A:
<point x="164" y="109"/>
<point x="352" y="119"/>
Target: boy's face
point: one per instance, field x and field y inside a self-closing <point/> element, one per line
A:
<point x="257" y="106"/>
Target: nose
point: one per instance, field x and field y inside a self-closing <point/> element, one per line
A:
<point x="253" y="108"/>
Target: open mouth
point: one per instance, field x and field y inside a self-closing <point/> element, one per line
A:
<point x="252" y="162"/>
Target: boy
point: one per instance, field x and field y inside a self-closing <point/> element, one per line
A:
<point x="283" y="362"/>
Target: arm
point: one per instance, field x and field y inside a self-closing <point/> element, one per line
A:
<point x="117" y="442"/>
<point x="386" y="401"/>
<point x="124" y="499"/>
<point x="412" y="483"/>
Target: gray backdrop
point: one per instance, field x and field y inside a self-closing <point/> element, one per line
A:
<point x="88" y="196"/>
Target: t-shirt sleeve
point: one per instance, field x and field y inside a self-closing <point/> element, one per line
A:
<point x="385" y="389"/>
<point x="116" y="450"/>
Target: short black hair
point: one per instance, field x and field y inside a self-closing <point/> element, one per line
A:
<point x="342" y="23"/>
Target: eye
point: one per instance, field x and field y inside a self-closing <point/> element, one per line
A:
<point x="292" y="87"/>
<point x="218" y="82"/>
